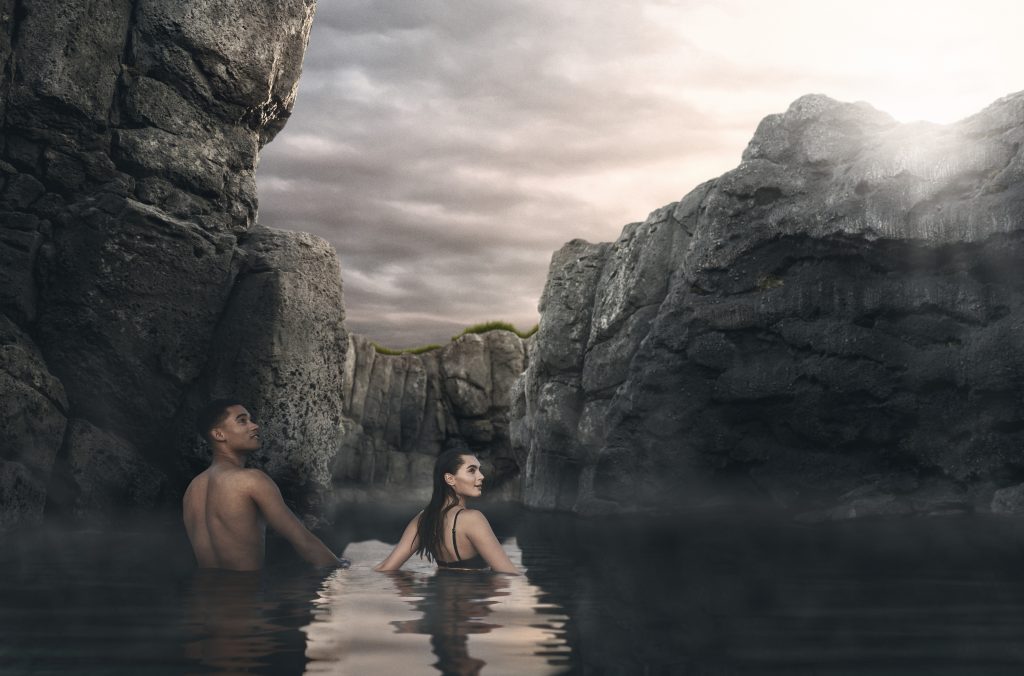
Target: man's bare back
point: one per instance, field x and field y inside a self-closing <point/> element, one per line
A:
<point x="222" y="520"/>
<point x="226" y="508"/>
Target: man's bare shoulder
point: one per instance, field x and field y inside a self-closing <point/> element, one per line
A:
<point x="254" y="481"/>
<point x="235" y="474"/>
<point x="197" y="484"/>
<point x="234" y="478"/>
<point x="252" y="474"/>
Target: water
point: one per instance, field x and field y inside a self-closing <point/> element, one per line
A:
<point x="708" y="596"/>
<point x="421" y="621"/>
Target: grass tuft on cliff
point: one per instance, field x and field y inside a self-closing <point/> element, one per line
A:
<point x="483" y="327"/>
<point x="380" y="349"/>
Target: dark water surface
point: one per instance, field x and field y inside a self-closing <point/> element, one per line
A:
<point x="715" y="596"/>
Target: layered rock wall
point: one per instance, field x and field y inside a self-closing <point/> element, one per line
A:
<point x="835" y="324"/>
<point x="400" y="411"/>
<point x="132" y="282"/>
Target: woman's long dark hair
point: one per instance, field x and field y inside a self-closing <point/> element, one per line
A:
<point x="431" y="526"/>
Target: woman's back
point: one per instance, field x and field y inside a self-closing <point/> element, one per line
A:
<point x="448" y="532"/>
<point x="457" y="548"/>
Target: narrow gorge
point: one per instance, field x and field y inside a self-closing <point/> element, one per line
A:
<point x="834" y="327"/>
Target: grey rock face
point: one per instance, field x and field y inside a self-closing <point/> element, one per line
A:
<point x="597" y="307"/>
<point x="23" y="495"/>
<point x="130" y="303"/>
<point x="33" y="417"/>
<point x="400" y="411"/>
<point x="467" y="375"/>
<point x="280" y="347"/>
<point x="843" y="304"/>
<point x="127" y="196"/>
<point x="110" y="477"/>
<point x="1009" y="501"/>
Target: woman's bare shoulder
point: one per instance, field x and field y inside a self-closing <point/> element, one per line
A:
<point x="473" y="517"/>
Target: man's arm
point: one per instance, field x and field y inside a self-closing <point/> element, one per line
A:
<point x="268" y="498"/>
<point x="404" y="549"/>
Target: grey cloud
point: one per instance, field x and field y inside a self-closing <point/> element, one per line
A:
<point x="457" y="18"/>
<point x="432" y="144"/>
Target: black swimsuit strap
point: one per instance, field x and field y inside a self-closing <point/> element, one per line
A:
<point x="455" y="545"/>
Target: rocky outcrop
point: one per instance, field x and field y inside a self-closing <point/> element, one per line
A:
<point x="835" y="324"/>
<point x="281" y="347"/>
<point x="131" y="279"/>
<point x="400" y="411"/>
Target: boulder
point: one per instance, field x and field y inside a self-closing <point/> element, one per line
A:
<point x="466" y="368"/>
<point x="280" y="347"/>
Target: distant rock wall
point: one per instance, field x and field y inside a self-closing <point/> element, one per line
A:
<point x="400" y="411"/>
<point x="835" y="325"/>
<point x="133" y="282"/>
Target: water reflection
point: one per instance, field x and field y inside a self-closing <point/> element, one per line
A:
<point x="237" y="622"/>
<point x="454" y="605"/>
<point x="421" y="620"/>
<point x="610" y="596"/>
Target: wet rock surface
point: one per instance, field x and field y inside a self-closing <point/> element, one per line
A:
<point x="131" y="131"/>
<point x="844" y="304"/>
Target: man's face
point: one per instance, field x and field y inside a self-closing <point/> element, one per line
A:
<point x="238" y="431"/>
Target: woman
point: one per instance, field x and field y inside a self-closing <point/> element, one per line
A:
<point x="446" y="532"/>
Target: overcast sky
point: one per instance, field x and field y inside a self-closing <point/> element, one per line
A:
<point x="447" y="148"/>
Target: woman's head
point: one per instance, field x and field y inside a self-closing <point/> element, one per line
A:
<point x="457" y="474"/>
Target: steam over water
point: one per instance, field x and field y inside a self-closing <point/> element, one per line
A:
<point x="729" y="594"/>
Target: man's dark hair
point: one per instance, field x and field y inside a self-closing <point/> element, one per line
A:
<point x="213" y="414"/>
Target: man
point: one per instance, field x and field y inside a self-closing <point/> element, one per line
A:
<point x="227" y="507"/>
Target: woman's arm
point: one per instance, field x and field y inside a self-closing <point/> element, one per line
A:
<point x="478" y="530"/>
<point x="404" y="549"/>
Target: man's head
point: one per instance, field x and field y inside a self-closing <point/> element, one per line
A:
<point x="227" y="422"/>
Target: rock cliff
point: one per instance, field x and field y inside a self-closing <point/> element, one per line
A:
<point x="133" y="280"/>
<point x="400" y="411"/>
<point x="835" y="325"/>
